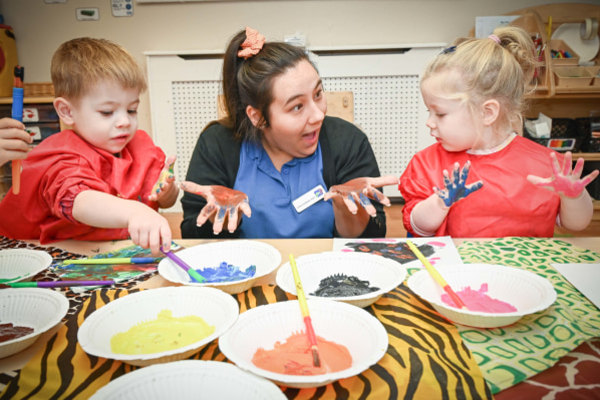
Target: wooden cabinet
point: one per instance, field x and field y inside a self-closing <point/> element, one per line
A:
<point x="552" y="94"/>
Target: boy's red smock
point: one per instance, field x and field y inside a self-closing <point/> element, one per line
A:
<point x="64" y="165"/>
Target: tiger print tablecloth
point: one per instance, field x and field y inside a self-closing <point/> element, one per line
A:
<point x="427" y="356"/>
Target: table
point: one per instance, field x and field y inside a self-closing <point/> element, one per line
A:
<point x="470" y="384"/>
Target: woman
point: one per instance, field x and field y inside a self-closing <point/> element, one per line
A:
<point x="276" y="153"/>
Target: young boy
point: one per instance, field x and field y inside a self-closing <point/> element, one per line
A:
<point x="94" y="181"/>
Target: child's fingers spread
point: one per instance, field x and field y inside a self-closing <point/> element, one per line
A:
<point x="578" y="168"/>
<point x="590" y="177"/>
<point x="555" y="165"/>
<point x="568" y="163"/>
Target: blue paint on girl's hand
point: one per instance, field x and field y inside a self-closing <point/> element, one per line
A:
<point x="456" y="189"/>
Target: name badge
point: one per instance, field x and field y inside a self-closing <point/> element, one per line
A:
<point x="309" y="198"/>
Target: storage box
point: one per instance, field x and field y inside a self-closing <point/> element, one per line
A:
<point x="559" y="46"/>
<point x="572" y="77"/>
<point x="595" y="72"/>
<point x="39" y="113"/>
<point x="41" y="131"/>
<point x="38" y="89"/>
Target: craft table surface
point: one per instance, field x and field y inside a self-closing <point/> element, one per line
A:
<point x="298" y="247"/>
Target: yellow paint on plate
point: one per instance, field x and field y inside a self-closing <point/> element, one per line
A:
<point x="162" y="334"/>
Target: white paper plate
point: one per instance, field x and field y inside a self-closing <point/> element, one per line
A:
<point x="40" y="309"/>
<point x="240" y="253"/>
<point x="381" y="272"/>
<point x="212" y="305"/>
<point x="527" y="292"/>
<point x="263" y="326"/>
<point x="187" y="380"/>
<point x="22" y="264"/>
<point x="570" y="34"/>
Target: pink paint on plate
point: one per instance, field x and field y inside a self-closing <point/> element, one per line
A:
<point x="478" y="300"/>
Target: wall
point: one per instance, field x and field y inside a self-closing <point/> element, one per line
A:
<point x="40" y="27"/>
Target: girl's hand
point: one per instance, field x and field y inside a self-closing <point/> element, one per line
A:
<point x="361" y="190"/>
<point x="457" y="189"/>
<point x="221" y="202"/>
<point x="164" y="185"/>
<point x="565" y="181"/>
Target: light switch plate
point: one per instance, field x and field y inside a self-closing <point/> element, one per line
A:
<point x="122" y="8"/>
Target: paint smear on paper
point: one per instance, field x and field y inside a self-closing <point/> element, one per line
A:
<point x="294" y="357"/>
<point x="162" y="334"/>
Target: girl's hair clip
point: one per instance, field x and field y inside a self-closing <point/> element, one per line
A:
<point x="447" y="50"/>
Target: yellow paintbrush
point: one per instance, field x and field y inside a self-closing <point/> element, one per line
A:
<point x="310" y="332"/>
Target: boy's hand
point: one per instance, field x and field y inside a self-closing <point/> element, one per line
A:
<point x="221" y="202"/>
<point x="149" y="229"/>
<point x="565" y="181"/>
<point x="361" y="190"/>
<point x="457" y="189"/>
<point x="164" y="185"/>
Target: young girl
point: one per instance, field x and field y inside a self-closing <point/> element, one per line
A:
<point x="474" y="92"/>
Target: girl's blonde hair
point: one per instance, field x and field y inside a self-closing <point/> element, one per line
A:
<point x="499" y="67"/>
<point x="78" y="64"/>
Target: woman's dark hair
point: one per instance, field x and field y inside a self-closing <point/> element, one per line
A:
<point x="250" y="81"/>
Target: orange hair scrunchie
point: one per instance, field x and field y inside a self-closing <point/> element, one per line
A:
<point x="252" y="45"/>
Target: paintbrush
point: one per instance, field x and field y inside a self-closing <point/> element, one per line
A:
<point x="17" y="113"/>
<point x="115" y="260"/>
<point x="55" y="284"/>
<point x="310" y="332"/>
<point x="191" y="271"/>
<point x="436" y="275"/>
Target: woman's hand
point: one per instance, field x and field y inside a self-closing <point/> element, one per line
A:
<point x="361" y="190"/>
<point x="565" y="181"/>
<point x="14" y="140"/>
<point x="221" y="202"/>
<point x="456" y="189"/>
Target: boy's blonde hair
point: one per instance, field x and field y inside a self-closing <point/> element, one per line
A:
<point x="490" y="70"/>
<point x="78" y="64"/>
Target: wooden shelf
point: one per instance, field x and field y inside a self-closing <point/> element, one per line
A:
<point x="587" y="156"/>
<point x="28" y="100"/>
